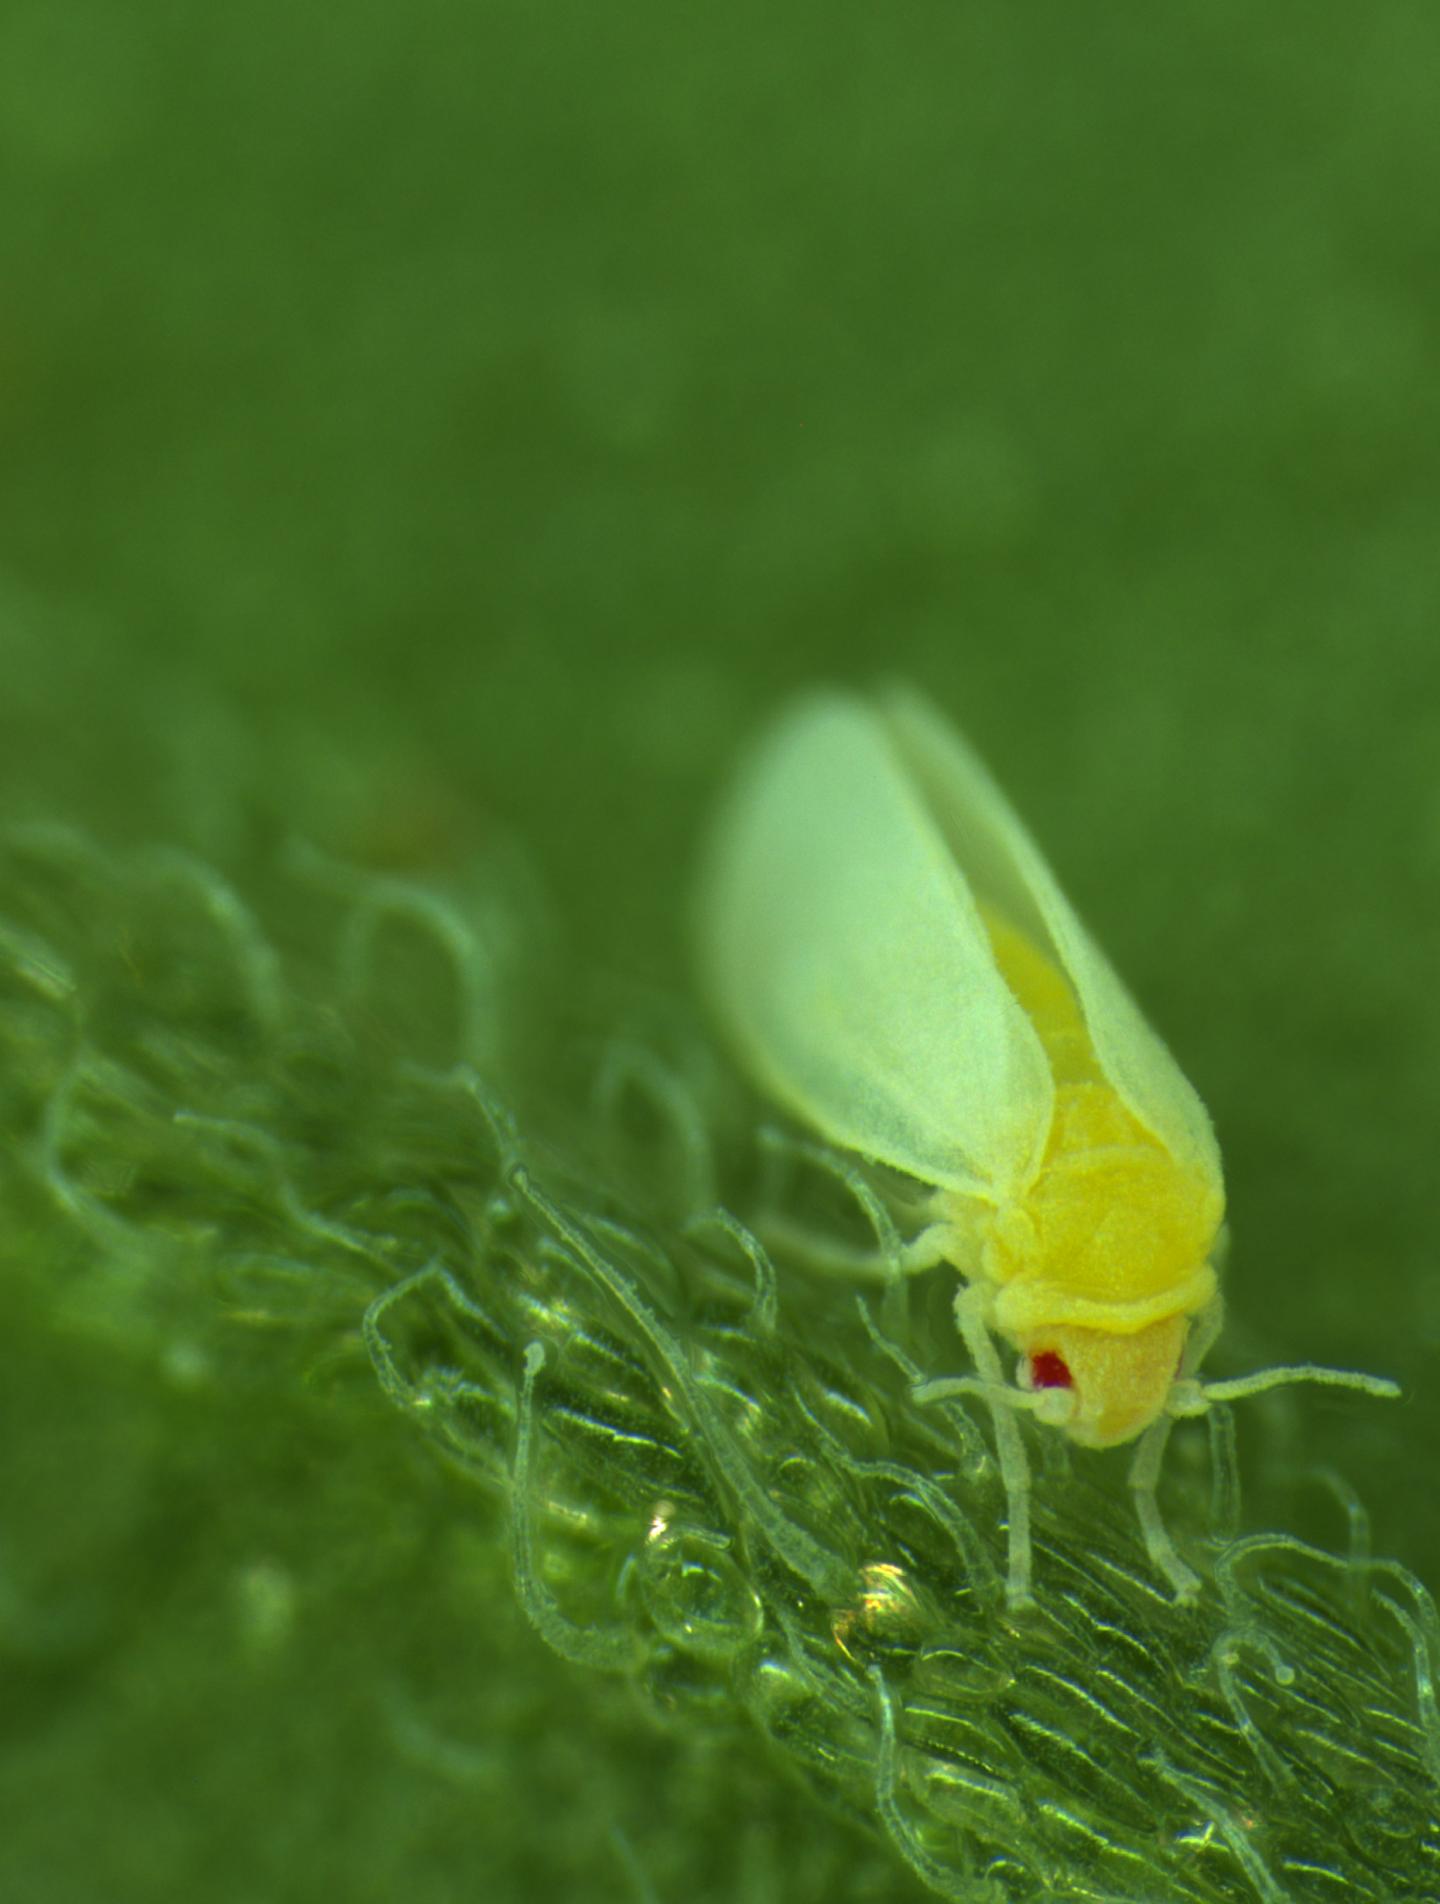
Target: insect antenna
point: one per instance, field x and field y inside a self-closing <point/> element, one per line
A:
<point x="1191" y="1397"/>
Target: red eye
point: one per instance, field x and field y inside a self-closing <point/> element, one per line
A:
<point x="1048" y="1370"/>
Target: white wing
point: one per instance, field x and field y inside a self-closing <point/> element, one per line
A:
<point x="844" y="952"/>
<point x="1004" y="865"/>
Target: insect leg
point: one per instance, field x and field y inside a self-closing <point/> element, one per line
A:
<point x="814" y="1251"/>
<point x="1204" y="1329"/>
<point x="971" y="1306"/>
<point x="1144" y="1479"/>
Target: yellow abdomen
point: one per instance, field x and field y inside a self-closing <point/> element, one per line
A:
<point x="1113" y="1231"/>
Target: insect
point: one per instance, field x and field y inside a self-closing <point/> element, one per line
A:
<point x="895" y="963"/>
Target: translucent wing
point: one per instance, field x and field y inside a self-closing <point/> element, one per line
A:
<point x="844" y="951"/>
<point x="1005" y="868"/>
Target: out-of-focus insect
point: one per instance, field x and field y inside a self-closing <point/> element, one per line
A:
<point x="896" y="964"/>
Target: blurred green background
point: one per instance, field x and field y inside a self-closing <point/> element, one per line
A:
<point x="429" y="426"/>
